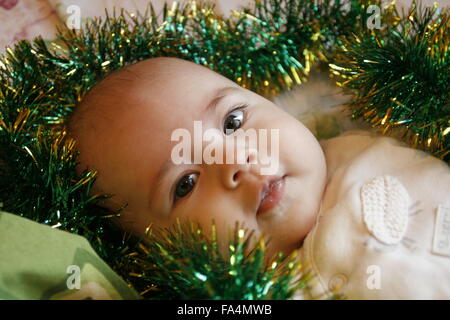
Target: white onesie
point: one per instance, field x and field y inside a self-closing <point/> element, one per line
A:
<point x="383" y="231"/>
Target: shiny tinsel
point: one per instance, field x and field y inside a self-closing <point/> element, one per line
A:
<point x="399" y="77"/>
<point x="162" y="268"/>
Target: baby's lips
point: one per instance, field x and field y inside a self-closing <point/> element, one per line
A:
<point x="271" y="193"/>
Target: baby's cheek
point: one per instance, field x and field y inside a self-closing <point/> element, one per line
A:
<point x="138" y="221"/>
<point x="197" y="211"/>
<point x="209" y="209"/>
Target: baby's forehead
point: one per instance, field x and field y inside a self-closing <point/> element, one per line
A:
<point x="150" y="71"/>
<point x="167" y="87"/>
<point x="157" y="70"/>
<point x="156" y="90"/>
<point x="156" y="78"/>
<point x="121" y="86"/>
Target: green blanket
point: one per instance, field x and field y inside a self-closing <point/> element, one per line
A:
<point x="39" y="262"/>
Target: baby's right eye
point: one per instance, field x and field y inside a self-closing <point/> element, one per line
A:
<point x="185" y="185"/>
<point x="234" y="120"/>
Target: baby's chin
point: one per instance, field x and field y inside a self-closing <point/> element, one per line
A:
<point x="274" y="251"/>
<point x="299" y="219"/>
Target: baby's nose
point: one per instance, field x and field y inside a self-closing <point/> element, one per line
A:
<point x="235" y="173"/>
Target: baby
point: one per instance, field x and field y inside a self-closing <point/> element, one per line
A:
<point x="129" y="128"/>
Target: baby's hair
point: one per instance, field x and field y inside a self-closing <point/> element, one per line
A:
<point x="81" y="124"/>
<point x="102" y="94"/>
<point x="94" y="99"/>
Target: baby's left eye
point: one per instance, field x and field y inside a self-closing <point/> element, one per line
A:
<point x="185" y="185"/>
<point x="233" y="121"/>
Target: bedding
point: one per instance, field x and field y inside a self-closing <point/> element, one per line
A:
<point x="40" y="262"/>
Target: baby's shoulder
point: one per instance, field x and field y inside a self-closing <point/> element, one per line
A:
<point x="358" y="159"/>
<point x="372" y="152"/>
<point x="352" y="143"/>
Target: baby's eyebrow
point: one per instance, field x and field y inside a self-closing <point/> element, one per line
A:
<point x="156" y="185"/>
<point x="220" y="94"/>
<point x="163" y="170"/>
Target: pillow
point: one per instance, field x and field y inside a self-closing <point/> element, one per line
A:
<point x="318" y="105"/>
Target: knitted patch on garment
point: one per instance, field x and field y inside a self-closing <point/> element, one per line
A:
<point x="385" y="203"/>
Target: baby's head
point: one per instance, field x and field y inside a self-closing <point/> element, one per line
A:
<point x="132" y="127"/>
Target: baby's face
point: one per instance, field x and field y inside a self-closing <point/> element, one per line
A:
<point x="130" y="139"/>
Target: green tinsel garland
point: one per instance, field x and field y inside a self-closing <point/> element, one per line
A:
<point x="266" y="49"/>
<point x="399" y="77"/>
<point x="197" y="269"/>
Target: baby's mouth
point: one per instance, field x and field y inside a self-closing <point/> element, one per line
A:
<point x="271" y="194"/>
